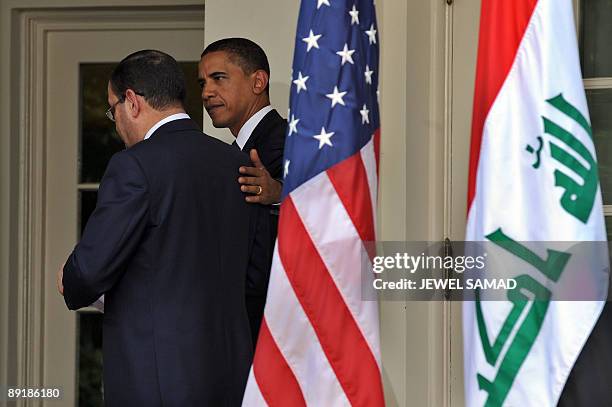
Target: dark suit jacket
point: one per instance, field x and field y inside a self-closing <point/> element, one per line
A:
<point x="167" y="244"/>
<point x="268" y="138"/>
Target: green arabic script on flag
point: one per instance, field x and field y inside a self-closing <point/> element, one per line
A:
<point x="521" y="342"/>
<point x="577" y="199"/>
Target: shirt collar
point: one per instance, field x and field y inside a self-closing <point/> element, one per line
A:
<point x="247" y="129"/>
<point x="165" y="120"/>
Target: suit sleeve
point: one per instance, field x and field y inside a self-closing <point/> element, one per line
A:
<point x="272" y="151"/>
<point x="111" y="235"/>
<point x="275" y="162"/>
<point x="260" y="259"/>
<point x="258" y="271"/>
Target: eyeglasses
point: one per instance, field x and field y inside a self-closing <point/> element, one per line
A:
<point x="110" y="113"/>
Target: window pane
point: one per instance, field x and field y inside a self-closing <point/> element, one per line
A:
<point x="595" y="35"/>
<point x="99" y="141"/>
<point x="98" y="138"/>
<point x="600" y="109"/>
<point x="193" y="104"/>
<point x="86" y="206"/>
<point x="90" y="359"/>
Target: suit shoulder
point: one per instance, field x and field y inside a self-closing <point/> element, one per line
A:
<point x="193" y="142"/>
<point x="221" y="147"/>
<point x="276" y="121"/>
<point x="271" y="130"/>
<point x="124" y="159"/>
<point x="123" y="170"/>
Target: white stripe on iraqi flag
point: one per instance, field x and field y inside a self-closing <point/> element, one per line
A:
<point x="530" y="115"/>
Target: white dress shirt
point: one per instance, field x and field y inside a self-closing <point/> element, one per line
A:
<point x="247" y="129"/>
<point x="165" y="120"/>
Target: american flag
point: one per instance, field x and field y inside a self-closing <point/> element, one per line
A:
<point x="319" y="340"/>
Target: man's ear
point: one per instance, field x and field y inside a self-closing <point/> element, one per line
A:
<point x="134" y="104"/>
<point x="261" y="81"/>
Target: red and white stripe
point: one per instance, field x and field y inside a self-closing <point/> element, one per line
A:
<point x="502" y="27"/>
<point x="319" y="340"/>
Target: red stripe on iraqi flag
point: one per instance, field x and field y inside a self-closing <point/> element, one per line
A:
<point x="502" y="26"/>
<point x="341" y="339"/>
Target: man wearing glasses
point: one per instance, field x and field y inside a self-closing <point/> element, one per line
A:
<point x="167" y="247"/>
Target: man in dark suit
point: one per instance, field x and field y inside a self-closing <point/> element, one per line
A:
<point x="168" y="244"/>
<point x="234" y="76"/>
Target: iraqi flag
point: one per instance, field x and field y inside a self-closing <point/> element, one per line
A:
<point x="533" y="177"/>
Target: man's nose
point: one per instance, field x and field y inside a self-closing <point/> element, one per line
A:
<point x="207" y="92"/>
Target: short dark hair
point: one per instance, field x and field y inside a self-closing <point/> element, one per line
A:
<point x="153" y="74"/>
<point x="243" y="52"/>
